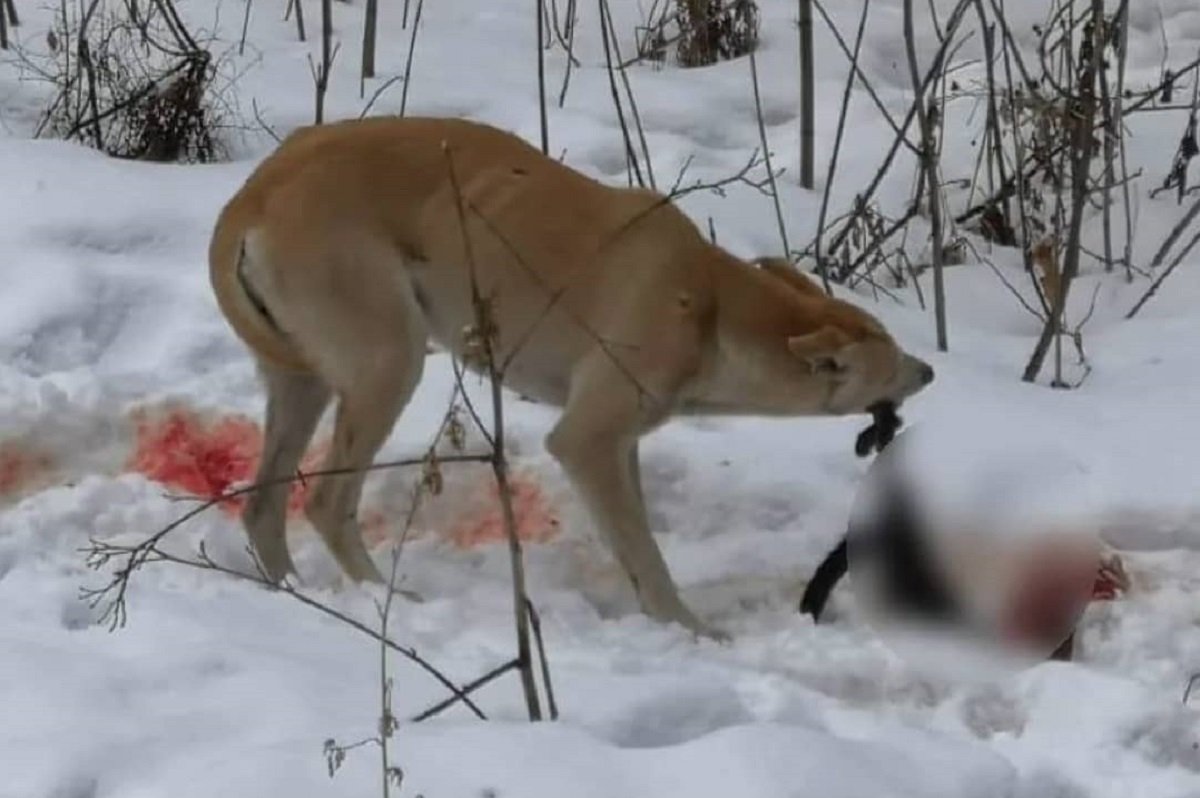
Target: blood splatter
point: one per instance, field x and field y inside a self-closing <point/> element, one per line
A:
<point x="206" y="457"/>
<point x="1112" y="580"/>
<point x="21" y="468"/>
<point x="536" y="522"/>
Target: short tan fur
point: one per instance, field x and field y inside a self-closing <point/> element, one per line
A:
<point x="344" y="253"/>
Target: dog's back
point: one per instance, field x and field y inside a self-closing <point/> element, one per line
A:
<point x="557" y="244"/>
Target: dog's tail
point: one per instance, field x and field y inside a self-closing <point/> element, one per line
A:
<point x="233" y="258"/>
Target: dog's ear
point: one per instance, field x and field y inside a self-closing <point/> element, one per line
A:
<point x="822" y="349"/>
<point x="789" y="274"/>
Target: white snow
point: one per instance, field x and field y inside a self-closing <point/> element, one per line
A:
<point x="217" y="687"/>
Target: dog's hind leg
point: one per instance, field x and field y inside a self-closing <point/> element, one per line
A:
<point x="365" y="415"/>
<point x="295" y="402"/>
<point x="373" y="355"/>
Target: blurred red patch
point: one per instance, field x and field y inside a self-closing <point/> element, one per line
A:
<point x="536" y="522"/>
<point x="21" y="468"/>
<point x="1112" y="579"/>
<point x="206" y="457"/>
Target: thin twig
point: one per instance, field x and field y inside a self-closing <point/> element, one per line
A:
<point x="856" y="69"/>
<point x="837" y="146"/>
<point x="633" y="108"/>
<point x="138" y="555"/>
<point x="762" y="137"/>
<point x="1153" y="289"/>
<point x="553" y="297"/>
<point x="878" y="241"/>
<point x="484" y="337"/>
<point x="262" y="123"/>
<point x="535" y="621"/>
<point x="430" y="481"/>
<point x="934" y="71"/>
<point x="570" y="48"/>
<point x="1082" y="146"/>
<point x="383" y="87"/>
<point x="207" y="564"/>
<point x="328" y="54"/>
<point x="1111" y="131"/>
<point x="541" y="79"/>
<point x="631" y="159"/>
<point x="412" y="47"/>
<point x="930" y="172"/>
<point x="298" y="5"/>
<point x="1174" y="235"/>
<point x="1028" y="172"/>
<point x="1020" y="180"/>
<point x="467" y="689"/>
<point x="995" y="135"/>
<point x="245" y="27"/>
<point x="1187" y="692"/>
<point x="1012" y="289"/>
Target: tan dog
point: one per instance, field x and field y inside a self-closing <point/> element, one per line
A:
<point x="345" y="250"/>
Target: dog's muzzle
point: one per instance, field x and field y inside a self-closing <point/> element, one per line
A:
<point x="925" y="372"/>
<point x="915" y="374"/>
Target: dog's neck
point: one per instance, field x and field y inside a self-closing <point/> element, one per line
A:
<point x="746" y="369"/>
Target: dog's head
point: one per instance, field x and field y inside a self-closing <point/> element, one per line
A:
<point x="842" y="353"/>
<point x="855" y="369"/>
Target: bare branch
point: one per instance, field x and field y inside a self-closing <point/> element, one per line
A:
<point x="412" y="48"/>
<point x="762" y="136"/>
<point x="1153" y="289"/>
<point x="203" y="562"/>
<point x="822" y="267"/>
<point x="482" y="340"/>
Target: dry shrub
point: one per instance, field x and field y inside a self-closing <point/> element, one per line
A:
<point x="129" y="80"/>
<point x="703" y="31"/>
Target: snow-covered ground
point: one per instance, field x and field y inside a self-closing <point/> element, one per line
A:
<point x="109" y="334"/>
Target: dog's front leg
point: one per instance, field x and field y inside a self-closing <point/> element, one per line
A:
<point x="595" y="442"/>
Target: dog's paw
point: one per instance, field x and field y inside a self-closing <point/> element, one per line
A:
<point x="702" y="630"/>
<point x="717" y="635"/>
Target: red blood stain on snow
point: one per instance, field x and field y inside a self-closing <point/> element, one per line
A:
<point x="536" y="522"/>
<point x="1111" y="581"/>
<point x="21" y="468"/>
<point x="206" y="457"/>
